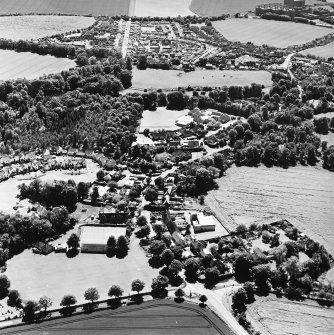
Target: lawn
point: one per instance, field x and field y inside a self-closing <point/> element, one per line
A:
<point x="274" y="316"/>
<point x="275" y="33"/>
<point x="324" y="51"/>
<point x="37" y="26"/>
<point x="82" y="7"/>
<point x="155" y="79"/>
<point x="27" y="65"/>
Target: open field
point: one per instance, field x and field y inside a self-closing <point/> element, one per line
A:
<point x="16" y="65"/>
<point x="162" y="317"/>
<point x="82" y="7"/>
<point x="273" y="316"/>
<point x="160" y="119"/>
<point x="37" y="26"/>
<point x="155" y="79"/>
<point x="324" y="51"/>
<point x="218" y="7"/>
<point x="274" y="33"/>
<point x="164" y="8"/>
<point x="304" y="195"/>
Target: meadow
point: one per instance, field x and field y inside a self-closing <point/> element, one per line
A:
<point x="155" y="79"/>
<point x="36" y="26"/>
<point x="273" y="316"/>
<point x="324" y="51"/>
<point x="275" y="33"/>
<point x="16" y="65"/>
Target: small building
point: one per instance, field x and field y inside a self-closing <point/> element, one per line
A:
<point x="112" y="216"/>
<point x="201" y="222"/>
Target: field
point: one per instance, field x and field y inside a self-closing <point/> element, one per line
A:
<point x="15" y="27"/>
<point x="155" y="79"/>
<point x="160" y="119"/>
<point x="304" y="195"/>
<point x="218" y="7"/>
<point x="272" y="316"/>
<point x="170" y="8"/>
<point x="155" y="317"/>
<point x="16" y="65"/>
<point x="324" y="51"/>
<point x="274" y="33"/>
<point x="82" y="7"/>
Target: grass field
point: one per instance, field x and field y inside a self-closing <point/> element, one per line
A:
<point x="155" y="317"/>
<point x="75" y="7"/>
<point x="305" y="195"/>
<point x="15" y="27"/>
<point x="274" y="33"/>
<point x="273" y="316"/>
<point x="324" y="51"/>
<point x="156" y="79"/>
<point x="28" y="65"/>
<point x="218" y="7"/>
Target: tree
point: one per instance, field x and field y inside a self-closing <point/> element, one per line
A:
<point x="100" y="175"/>
<point x="160" y="283"/>
<point x="83" y="190"/>
<point x="14" y="299"/>
<point x="122" y="245"/>
<point x="29" y="311"/>
<point x="126" y="78"/>
<point x="278" y="279"/>
<point x="111" y="244"/>
<point x="211" y="276"/>
<point x="239" y="300"/>
<point x="91" y="294"/>
<point x="151" y="194"/>
<point x="142" y="62"/>
<point x="157" y="247"/>
<point x="179" y="293"/>
<point x="203" y="298"/>
<point x="242" y="266"/>
<point x="4" y="286"/>
<point x="68" y="300"/>
<point x="191" y="266"/>
<point x="241" y="229"/>
<point x="45" y="302"/>
<point x="128" y="63"/>
<point x="250" y="290"/>
<point x="292" y="267"/>
<point x="167" y="257"/>
<point x="69" y="197"/>
<point x="73" y="241"/>
<point x="95" y="194"/>
<point x="261" y="274"/>
<point x="115" y="291"/>
<point x="137" y="285"/>
<point x="144" y="231"/>
<point x="141" y="221"/>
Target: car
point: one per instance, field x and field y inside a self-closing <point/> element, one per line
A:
<point x="61" y="247"/>
<point x="36" y="251"/>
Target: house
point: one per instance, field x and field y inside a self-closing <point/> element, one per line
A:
<point x="197" y="247"/>
<point x="172" y="228"/>
<point x="112" y="216"/>
<point x="201" y="222"/>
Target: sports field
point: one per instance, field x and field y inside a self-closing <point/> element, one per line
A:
<point x="275" y="33"/>
<point x="15" y="65"/>
<point x="28" y="27"/>
<point x="155" y="317"/>
<point x="324" y="51"/>
<point x="156" y="79"/>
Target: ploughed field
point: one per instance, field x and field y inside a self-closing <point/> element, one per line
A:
<point x="15" y="65"/>
<point x="304" y="195"/>
<point x="273" y="316"/>
<point x="28" y="27"/>
<point x="275" y="33"/>
<point x="324" y="51"/>
<point x="155" y="79"/>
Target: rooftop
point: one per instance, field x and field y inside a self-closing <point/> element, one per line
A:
<point x="99" y="235"/>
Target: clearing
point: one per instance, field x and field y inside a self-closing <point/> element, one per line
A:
<point x="303" y="195"/>
<point x="324" y="51"/>
<point x="162" y="118"/>
<point x="273" y="316"/>
<point x="155" y="79"/>
<point x="15" y="27"/>
<point x="274" y="33"/>
<point x="27" y="65"/>
<point x="82" y="7"/>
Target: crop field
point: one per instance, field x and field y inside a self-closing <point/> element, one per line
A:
<point x="324" y="51"/>
<point x="155" y="79"/>
<point x="155" y="317"/>
<point x="170" y="8"/>
<point x="304" y="195"/>
<point x="273" y="316"/>
<point x="28" y="65"/>
<point x="218" y="7"/>
<point x="74" y="7"/>
<point x="36" y="26"/>
<point x="274" y="33"/>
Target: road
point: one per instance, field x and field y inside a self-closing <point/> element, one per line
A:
<point x="126" y="38"/>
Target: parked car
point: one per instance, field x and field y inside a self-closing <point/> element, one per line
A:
<point x="61" y="247"/>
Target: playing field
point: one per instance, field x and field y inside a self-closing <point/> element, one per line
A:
<point x="156" y="79"/>
<point x="324" y="51"/>
<point x="155" y="317"/>
<point x="75" y="7"/>
<point x="15" y="65"/>
<point x="28" y="27"/>
<point x="275" y="33"/>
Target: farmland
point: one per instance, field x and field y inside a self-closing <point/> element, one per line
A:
<point x="324" y="51"/>
<point x="155" y="79"/>
<point x="28" y="65"/>
<point x="15" y="27"/>
<point x="274" y="316"/>
<point x="275" y="33"/>
<point x="84" y="7"/>
<point x="304" y="195"/>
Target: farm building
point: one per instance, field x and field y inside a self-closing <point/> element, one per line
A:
<point x="201" y="222"/>
<point x="94" y="238"/>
